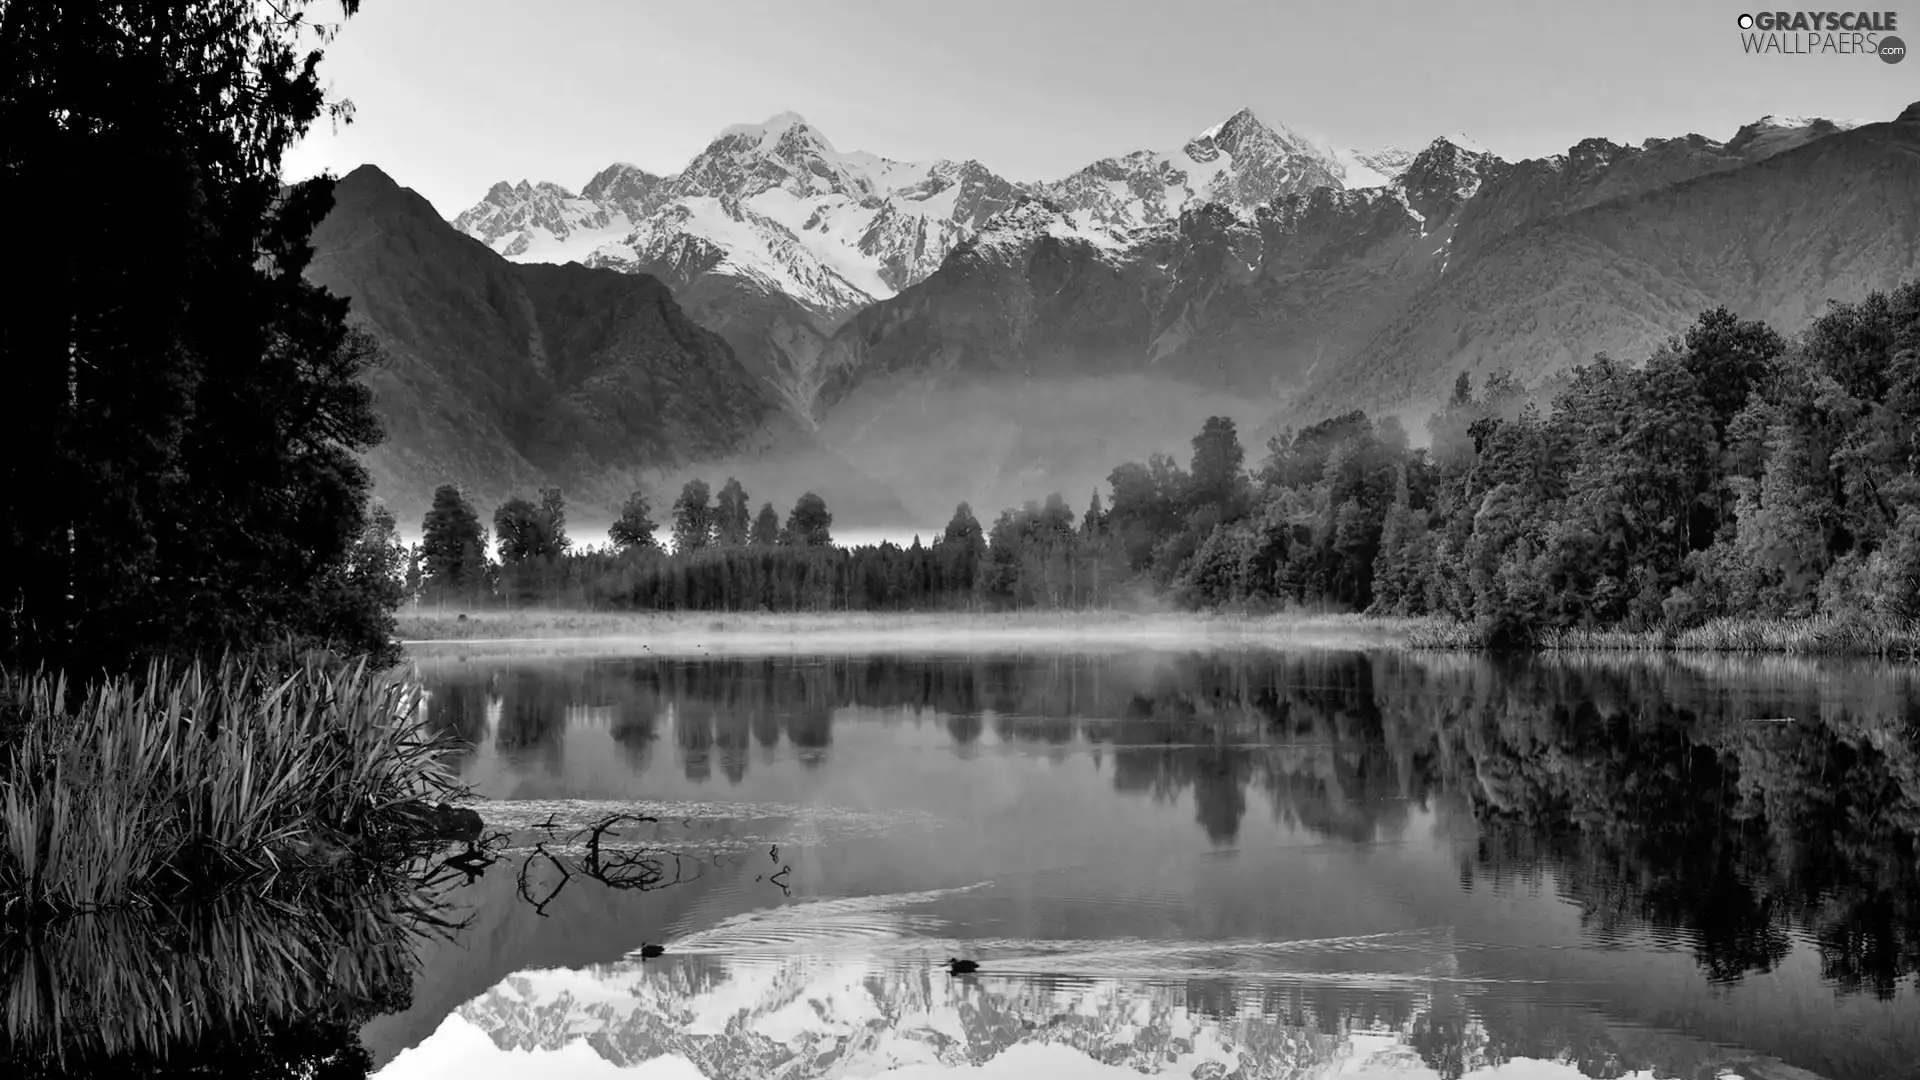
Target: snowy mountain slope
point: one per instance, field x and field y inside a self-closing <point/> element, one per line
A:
<point x="836" y="230"/>
<point x="1239" y="163"/>
<point x="776" y="239"/>
<point x="545" y="222"/>
<point x="776" y="203"/>
<point x="1240" y="301"/>
<point x="1293" y="292"/>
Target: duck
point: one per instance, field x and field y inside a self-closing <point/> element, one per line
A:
<point x="648" y="952"/>
<point x="961" y="967"/>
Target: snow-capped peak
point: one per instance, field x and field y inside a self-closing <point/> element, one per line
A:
<point x="1467" y="143"/>
<point x="1776" y="122"/>
<point x="769" y="131"/>
<point x="1773" y="134"/>
<point x="1241" y="125"/>
<point x="539" y="220"/>
<point x="786" y="152"/>
<point x="1240" y="162"/>
<point x="1442" y="176"/>
<point x="1243" y="134"/>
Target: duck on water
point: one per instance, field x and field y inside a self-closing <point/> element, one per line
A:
<point x="957" y="966"/>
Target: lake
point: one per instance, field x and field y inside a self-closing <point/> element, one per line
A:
<point x="1198" y="864"/>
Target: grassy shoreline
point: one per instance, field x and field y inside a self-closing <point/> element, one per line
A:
<point x="691" y="632"/>
<point x="1819" y="635"/>
<point x="699" y="633"/>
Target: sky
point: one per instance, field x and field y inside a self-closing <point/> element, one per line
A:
<point x="453" y="95"/>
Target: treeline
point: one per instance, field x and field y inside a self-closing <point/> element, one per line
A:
<point x="723" y="558"/>
<point x="1734" y="472"/>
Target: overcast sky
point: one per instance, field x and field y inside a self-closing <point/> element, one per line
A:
<point x="453" y="95"/>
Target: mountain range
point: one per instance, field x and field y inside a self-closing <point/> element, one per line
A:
<point x="505" y="377"/>
<point x="963" y="335"/>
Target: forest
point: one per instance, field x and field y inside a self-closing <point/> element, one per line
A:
<point x="1735" y="472"/>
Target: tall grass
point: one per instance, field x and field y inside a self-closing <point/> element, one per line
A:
<point x="185" y="779"/>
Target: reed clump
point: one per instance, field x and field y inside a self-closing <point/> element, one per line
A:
<point x="203" y="778"/>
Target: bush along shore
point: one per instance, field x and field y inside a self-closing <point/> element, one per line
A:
<point x="191" y="780"/>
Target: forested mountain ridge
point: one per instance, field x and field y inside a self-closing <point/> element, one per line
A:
<point x="1833" y="218"/>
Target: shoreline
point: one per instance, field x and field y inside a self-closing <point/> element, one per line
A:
<point x="706" y="633"/>
<point x="532" y="631"/>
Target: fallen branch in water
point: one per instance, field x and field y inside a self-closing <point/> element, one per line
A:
<point x="645" y="869"/>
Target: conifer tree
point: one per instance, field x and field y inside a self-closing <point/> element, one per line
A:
<point x="766" y="526"/>
<point x="732" y="520"/>
<point x="693" y="517"/>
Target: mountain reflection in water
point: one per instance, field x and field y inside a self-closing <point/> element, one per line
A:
<point x="1196" y="864"/>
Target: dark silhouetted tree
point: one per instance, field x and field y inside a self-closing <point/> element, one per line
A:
<point x="732" y="520"/>
<point x="809" y="525"/>
<point x="693" y="517"/>
<point x="1215" y="470"/>
<point x="766" y="526"/>
<point x="635" y="527"/>
<point x="517" y="531"/>
<point x="964" y="529"/>
<point x="553" y="522"/>
<point x="453" y="545"/>
<point x="1094" y="523"/>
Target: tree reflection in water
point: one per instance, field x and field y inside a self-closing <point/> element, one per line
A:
<point x="1640" y="785"/>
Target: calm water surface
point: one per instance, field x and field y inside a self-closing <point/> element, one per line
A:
<point x="1190" y="864"/>
<point x="1185" y="864"/>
